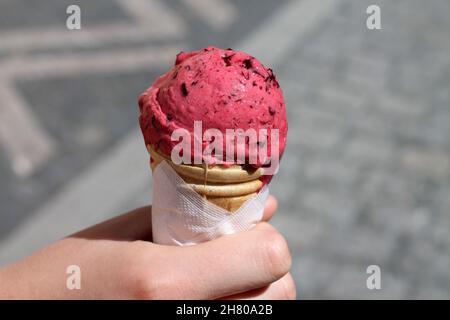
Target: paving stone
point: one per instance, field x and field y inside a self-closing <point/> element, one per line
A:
<point x="377" y="191"/>
<point x="327" y="171"/>
<point x="369" y="150"/>
<point x="432" y="163"/>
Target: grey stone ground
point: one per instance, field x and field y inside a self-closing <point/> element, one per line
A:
<point x="365" y="178"/>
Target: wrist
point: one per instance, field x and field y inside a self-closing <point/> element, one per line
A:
<point x="27" y="279"/>
<point x="6" y="288"/>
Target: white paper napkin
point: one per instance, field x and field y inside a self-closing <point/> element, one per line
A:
<point x="180" y="216"/>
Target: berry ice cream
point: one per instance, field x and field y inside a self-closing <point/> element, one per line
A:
<point x="225" y="89"/>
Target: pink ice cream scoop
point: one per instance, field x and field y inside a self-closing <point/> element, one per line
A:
<point x="225" y="89"/>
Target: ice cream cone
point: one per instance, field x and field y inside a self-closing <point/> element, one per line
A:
<point x="226" y="186"/>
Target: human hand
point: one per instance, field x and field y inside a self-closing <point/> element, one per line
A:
<point x="118" y="261"/>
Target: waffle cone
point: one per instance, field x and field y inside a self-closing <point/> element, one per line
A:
<point x="226" y="186"/>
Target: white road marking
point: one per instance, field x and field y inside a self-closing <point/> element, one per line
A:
<point x="155" y="15"/>
<point x="26" y="143"/>
<point x="42" y="66"/>
<point x="285" y="28"/>
<point x="161" y="23"/>
<point x="219" y="14"/>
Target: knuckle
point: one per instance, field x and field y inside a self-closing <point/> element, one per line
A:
<point x="155" y="285"/>
<point x="275" y="252"/>
<point x="142" y="286"/>
<point x="136" y="281"/>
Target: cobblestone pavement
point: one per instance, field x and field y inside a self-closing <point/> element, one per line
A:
<point x="365" y="178"/>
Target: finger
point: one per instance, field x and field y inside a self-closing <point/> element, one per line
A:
<point x="270" y="208"/>
<point x="134" y="225"/>
<point x="282" y="289"/>
<point x="228" y="265"/>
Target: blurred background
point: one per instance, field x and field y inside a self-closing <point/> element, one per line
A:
<point x="365" y="179"/>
